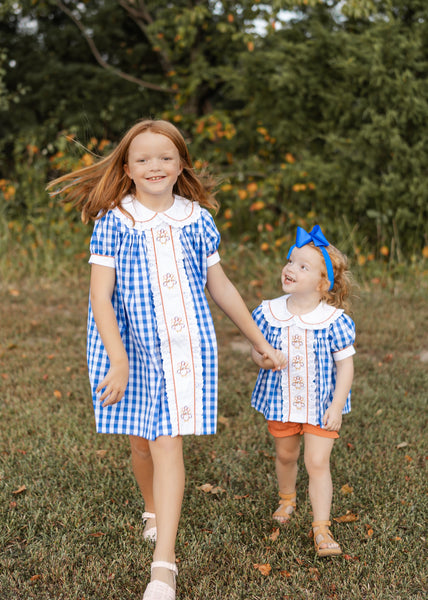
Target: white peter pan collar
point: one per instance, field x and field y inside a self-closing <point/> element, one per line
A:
<point x="278" y="315"/>
<point x="181" y="213"/>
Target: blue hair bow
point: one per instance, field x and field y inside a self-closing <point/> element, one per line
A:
<point x="317" y="237"/>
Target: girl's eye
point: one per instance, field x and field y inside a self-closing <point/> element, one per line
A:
<point x="167" y="158"/>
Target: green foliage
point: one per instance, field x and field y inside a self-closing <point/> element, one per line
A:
<point x="306" y="111"/>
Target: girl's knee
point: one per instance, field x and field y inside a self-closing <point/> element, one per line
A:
<point x="316" y="465"/>
<point x="140" y="446"/>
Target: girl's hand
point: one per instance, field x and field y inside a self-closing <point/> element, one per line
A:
<point x="272" y="357"/>
<point x="332" y="420"/>
<point x="115" y="383"/>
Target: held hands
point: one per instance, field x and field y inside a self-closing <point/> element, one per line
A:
<point x="114" y="383"/>
<point x="269" y="357"/>
<point x="332" y="420"/>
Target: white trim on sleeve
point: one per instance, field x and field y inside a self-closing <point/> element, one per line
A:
<point x="345" y="353"/>
<point x="104" y="261"/>
<point x="213" y="259"/>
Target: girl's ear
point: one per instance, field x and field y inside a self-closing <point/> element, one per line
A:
<point x="126" y="169"/>
<point x="323" y="285"/>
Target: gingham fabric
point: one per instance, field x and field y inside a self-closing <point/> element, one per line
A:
<point x="146" y="254"/>
<point x="313" y="343"/>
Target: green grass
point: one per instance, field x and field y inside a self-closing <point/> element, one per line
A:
<point x="75" y="532"/>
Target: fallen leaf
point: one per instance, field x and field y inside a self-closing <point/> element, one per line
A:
<point x="21" y="489"/>
<point x="402" y="445"/>
<point x="379" y="412"/>
<point x="224" y="421"/>
<point x="13" y="504"/>
<point x="314" y="572"/>
<point x="14" y="292"/>
<point x="206" y="487"/>
<point x="210" y="489"/>
<point x="264" y="569"/>
<point x="241" y="497"/>
<point x="35" y="577"/>
<point x="274" y="535"/>
<point x="396" y="539"/>
<point x="347" y="518"/>
<point x="369" y="530"/>
<point x="101" y="453"/>
<point x="57" y="394"/>
<point x="349" y="557"/>
<point x="285" y="573"/>
<point x="346" y="489"/>
<point x="97" y="534"/>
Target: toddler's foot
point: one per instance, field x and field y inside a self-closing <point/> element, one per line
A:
<point x="287" y="505"/>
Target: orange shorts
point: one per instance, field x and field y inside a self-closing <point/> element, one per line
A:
<point x="279" y="430"/>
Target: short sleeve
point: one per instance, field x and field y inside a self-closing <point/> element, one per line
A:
<point x="212" y="238"/>
<point x="104" y="241"/>
<point x="342" y="337"/>
<point x="260" y="320"/>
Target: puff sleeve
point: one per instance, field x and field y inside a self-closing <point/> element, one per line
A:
<point x="104" y="241"/>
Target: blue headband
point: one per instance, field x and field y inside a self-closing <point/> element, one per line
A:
<point x="317" y="237"/>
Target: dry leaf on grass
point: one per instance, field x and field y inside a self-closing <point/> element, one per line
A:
<point x="101" y="453"/>
<point x="346" y="489"/>
<point x="207" y="488"/>
<point x="402" y="445"/>
<point x="347" y="518"/>
<point x="264" y="569"/>
<point x="274" y="535"/>
<point x="21" y="489"/>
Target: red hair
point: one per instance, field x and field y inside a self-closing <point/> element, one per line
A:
<point x="338" y="295"/>
<point x="96" y="189"/>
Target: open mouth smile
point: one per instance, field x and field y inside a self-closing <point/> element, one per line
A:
<point x="157" y="178"/>
<point x="288" y="279"/>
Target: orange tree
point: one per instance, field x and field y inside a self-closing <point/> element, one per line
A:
<point x="306" y="111"/>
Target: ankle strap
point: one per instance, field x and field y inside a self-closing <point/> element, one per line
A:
<point x="287" y="496"/>
<point x="165" y="565"/>
<point x="148" y="515"/>
<point x="321" y="523"/>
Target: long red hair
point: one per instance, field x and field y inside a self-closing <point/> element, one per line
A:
<point x="96" y="189"/>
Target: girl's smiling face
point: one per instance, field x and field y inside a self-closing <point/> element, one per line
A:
<point x="154" y="166"/>
<point x="303" y="273"/>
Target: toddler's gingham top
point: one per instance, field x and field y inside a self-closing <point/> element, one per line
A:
<point x="313" y="342"/>
<point x="161" y="262"/>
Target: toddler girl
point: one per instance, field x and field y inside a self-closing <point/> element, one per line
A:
<point x="310" y="395"/>
<point x="151" y="350"/>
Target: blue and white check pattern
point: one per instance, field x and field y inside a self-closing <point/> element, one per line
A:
<point x="337" y="338"/>
<point x="144" y="409"/>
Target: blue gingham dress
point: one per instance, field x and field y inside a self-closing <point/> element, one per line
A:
<point x="161" y="263"/>
<point x="313" y="343"/>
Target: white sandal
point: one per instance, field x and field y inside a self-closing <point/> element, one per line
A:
<point x="158" y="590"/>
<point x="150" y="534"/>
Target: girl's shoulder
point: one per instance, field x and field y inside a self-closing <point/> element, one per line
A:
<point x="277" y="314"/>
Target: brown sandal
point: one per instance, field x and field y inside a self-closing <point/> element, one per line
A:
<point x="323" y="536"/>
<point x="282" y="515"/>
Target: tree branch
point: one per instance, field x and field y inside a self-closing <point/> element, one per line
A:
<point x="104" y="64"/>
<point x="141" y="16"/>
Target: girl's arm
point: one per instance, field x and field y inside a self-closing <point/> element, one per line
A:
<point x="260" y="360"/>
<point x="227" y="297"/>
<point x="102" y="285"/>
<point x="332" y="420"/>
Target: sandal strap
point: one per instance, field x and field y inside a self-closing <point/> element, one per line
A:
<point x="148" y="515"/>
<point x="288" y="499"/>
<point x="165" y="565"/>
<point x="321" y="524"/>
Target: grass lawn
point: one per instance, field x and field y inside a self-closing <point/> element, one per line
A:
<point x="70" y="510"/>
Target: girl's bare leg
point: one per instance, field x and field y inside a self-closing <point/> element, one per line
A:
<point x="317" y="462"/>
<point x="168" y="490"/>
<point x="287" y="452"/>
<point x="142" y="466"/>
